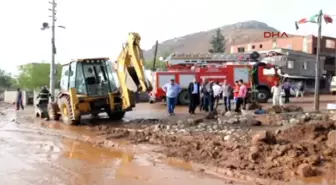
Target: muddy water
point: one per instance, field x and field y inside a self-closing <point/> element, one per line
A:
<point x="28" y="156"/>
<point x="41" y="155"/>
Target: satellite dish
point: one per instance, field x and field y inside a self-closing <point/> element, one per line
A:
<point x="254" y="55"/>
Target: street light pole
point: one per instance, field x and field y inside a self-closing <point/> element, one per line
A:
<point x="53" y="51"/>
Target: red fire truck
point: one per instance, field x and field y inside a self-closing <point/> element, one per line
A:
<point x="185" y="68"/>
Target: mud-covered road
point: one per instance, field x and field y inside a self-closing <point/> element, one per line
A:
<point x="36" y="152"/>
<point x="33" y="152"/>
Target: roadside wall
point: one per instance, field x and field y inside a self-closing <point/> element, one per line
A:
<point x="10" y="97"/>
<point x="143" y="97"/>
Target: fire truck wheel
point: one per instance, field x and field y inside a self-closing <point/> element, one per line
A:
<point x="263" y="95"/>
<point x="183" y="98"/>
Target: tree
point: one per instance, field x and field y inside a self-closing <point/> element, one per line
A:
<point x="159" y="64"/>
<point x="217" y="42"/>
<point x="5" y="79"/>
<point x="35" y="75"/>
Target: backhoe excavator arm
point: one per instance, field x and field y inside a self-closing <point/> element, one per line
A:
<point x="131" y="70"/>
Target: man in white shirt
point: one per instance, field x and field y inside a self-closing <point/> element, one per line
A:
<point x="217" y="89"/>
<point x="276" y="91"/>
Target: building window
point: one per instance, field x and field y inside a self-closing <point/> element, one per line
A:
<point x="290" y="64"/>
<point x="240" y="50"/>
<point x="314" y="51"/>
<point x="330" y="44"/>
<point x="305" y="65"/>
<point x="253" y="46"/>
<point x="329" y="61"/>
<point x="260" y="46"/>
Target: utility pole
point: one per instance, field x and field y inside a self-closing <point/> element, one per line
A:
<point x="317" y="72"/>
<point x="53" y="50"/>
<point x="46" y="26"/>
<point x="155" y="53"/>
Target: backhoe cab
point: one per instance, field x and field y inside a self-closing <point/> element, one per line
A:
<point x="95" y="85"/>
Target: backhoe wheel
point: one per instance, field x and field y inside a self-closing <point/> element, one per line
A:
<point x="116" y="115"/>
<point x="65" y="109"/>
<point x="53" y="111"/>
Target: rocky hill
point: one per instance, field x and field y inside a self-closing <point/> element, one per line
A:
<point x="237" y="33"/>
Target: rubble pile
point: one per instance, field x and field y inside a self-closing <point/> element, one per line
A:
<point x="294" y="118"/>
<point x="285" y="109"/>
<point x="306" y="148"/>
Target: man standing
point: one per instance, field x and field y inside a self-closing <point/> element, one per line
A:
<point x="217" y="89"/>
<point x="300" y="89"/>
<point x="194" y="95"/>
<point x="172" y="91"/>
<point x="286" y="87"/>
<point x="227" y="93"/>
<point x="19" y="103"/>
<point x="43" y="96"/>
<point x="241" y="95"/>
<point x="208" y="96"/>
<point x="235" y="93"/>
<point x="276" y="91"/>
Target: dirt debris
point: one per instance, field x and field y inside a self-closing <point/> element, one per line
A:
<point x="304" y="149"/>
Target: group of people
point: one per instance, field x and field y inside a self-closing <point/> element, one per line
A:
<point x="211" y="92"/>
<point x="286" y="87"/>
<point x="207" y="95"/>
<point x="42" y="97"/>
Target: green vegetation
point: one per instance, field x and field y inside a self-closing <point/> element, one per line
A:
<point x="35" y="75"/>
<point x="218" y="42"/>
<point x="158" y="65"/>
<point x="6" y="80"/>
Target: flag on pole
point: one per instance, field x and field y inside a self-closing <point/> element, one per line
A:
<point x="312" y="19"/>
<point x="327" y="18"/>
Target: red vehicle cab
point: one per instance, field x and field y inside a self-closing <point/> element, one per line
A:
<point x="260" y="74"/>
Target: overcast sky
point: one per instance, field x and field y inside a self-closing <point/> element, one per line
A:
<point x="99" y="27"/>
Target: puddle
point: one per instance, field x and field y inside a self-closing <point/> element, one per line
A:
<point x="319" y="180"/>
<point x="179" y="164"/>
<point x="87" y="152"/>
<point x="37" y="152"/>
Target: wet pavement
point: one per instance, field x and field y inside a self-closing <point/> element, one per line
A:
<point x="38" y="152"/>
<point x="158" y="110"/>
<point x="43" y="156"/>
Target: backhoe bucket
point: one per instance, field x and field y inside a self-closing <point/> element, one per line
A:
<point x="133" y="80"/>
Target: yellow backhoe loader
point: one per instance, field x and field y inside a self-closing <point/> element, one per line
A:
<point x="96" y="85"/>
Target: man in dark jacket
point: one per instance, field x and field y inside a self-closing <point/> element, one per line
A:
<point x="19" y="103"/>
<point x="208" y="96"/>
<point x="194" y="96"/>
<point x="43" y="96"/>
